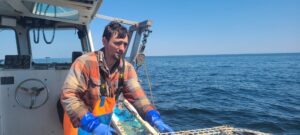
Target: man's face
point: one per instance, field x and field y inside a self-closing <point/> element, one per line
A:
<point x="115" y="47"/>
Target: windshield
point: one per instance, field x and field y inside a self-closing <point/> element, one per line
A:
<point x="65" y="42"/>
<point x="8" y="43"/>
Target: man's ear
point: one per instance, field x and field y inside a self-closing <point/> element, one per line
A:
<point x="104" y="41"/>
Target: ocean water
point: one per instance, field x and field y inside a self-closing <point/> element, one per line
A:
<point x="259" y="92"/>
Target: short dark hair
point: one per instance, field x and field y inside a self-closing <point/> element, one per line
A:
<point x="115" y="28"/>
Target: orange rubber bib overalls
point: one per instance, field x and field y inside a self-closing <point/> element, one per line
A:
<point x="103" y="108"/>
<point x="103" y="113"/>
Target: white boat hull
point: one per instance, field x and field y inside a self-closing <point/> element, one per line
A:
<point x="15" y="119"/>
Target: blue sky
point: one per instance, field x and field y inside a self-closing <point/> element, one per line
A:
<point x="192" y="27"/>
<point x="200" y="27"/>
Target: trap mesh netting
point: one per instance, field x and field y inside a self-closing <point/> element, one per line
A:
<point x="127" y="121"/>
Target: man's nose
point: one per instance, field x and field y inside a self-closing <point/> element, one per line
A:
<point x="122" y="47"/>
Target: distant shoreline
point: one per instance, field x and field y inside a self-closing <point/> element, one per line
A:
<point x="248" y="54"/>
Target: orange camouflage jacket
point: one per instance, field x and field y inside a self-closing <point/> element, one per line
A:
<point x="81" y="88"/>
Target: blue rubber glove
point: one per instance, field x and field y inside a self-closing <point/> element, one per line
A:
<point x="90" y="123"/>
<point x="104" y="129"/>
<point x="154" y="119"/>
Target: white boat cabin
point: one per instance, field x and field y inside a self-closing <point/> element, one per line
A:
<point x="36" y="54"/>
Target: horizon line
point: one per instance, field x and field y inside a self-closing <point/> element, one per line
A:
<point x="224" y="54"/>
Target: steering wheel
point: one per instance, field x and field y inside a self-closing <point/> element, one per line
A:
<point x="31" y="93"/>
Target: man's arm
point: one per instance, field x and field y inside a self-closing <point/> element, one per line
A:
<point x="72" y="91"/>
<point x="134" y="93"/>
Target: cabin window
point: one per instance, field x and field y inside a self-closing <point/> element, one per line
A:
<point x="8" y="43"/>
<point x="65" y="42"/>
<point x="55" y="11"/>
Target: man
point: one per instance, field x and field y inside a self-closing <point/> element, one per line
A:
<point x="95" y="80"/>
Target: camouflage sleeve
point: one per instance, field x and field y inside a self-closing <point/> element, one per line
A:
<point x="73" y="90"/>
<point x="134" y="93"/>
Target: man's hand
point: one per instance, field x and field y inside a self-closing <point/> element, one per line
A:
<point x="154" y="119"/>
<point x="90" y="123"/>
<point x="104" y="129"/>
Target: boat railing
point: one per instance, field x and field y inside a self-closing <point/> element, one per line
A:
<point x="54" y="65"/>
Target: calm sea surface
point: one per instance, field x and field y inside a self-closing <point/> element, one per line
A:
<point x="259" y="92"/>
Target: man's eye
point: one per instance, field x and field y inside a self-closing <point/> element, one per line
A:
<point x="120" y="43"/>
